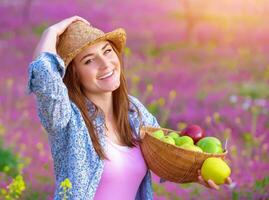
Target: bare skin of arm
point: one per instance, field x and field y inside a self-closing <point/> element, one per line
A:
<point x="49" y="38"/>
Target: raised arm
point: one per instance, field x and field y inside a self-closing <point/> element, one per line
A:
<point x="49" y="38"/>
<point x="45" y="73"/>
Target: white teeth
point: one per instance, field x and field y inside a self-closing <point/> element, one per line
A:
<point x="107" y="75"/>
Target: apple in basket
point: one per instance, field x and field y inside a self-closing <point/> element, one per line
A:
<point x="173" y="135"/>
<point x="168" y="140"/>
<point x="183" y="140"/>
<point x="210" y="145"/>
<point x="191" y="147"/>
<point x="215" y="169"/>
<point x="158" y="134"/>
<point x="194" y="131"/>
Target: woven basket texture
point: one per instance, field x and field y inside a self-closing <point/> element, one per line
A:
<point x="169" y="161"/>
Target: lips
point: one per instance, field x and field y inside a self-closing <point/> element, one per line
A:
<point x="106" y="75"/>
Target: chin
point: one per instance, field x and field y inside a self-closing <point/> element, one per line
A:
<point x="114" y="88"/>
<point x="111" y="89"/>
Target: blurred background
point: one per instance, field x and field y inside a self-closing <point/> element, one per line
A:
<point x="199" y="62"/>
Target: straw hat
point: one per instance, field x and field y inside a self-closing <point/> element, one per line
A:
<point x="80" y="35"/>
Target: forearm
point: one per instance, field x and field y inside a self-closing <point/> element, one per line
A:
<point x="49" y="37"/>
<point x="47" y="43"/>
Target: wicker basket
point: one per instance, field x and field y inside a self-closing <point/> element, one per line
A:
<point x="169" y="161"/>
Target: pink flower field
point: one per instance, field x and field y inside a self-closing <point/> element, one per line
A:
<point x="189" y="61"/>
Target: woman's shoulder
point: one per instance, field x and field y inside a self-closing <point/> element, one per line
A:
<point x="135" y="101"/>
<point x="147" y="117"/>
<point x="138" y="104"/>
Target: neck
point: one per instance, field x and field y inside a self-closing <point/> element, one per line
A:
<point x="103" y="101"/>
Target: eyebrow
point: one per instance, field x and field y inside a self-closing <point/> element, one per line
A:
<point x="90" y="54"/>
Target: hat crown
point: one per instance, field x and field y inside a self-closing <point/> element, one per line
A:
<point x="75" y="36"/>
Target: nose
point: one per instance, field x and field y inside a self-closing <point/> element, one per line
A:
<point x="103" y="62"/>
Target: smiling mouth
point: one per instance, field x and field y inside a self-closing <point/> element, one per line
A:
<point x="106" y="75"/>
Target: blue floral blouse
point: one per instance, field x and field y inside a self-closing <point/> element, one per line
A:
<point x="71" y="146"/>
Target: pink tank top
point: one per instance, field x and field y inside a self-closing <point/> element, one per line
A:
<point x="122" y="174"/>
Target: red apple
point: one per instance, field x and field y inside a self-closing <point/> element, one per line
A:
<point x="194" y="131"/>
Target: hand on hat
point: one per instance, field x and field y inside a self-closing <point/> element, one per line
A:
<point x="60" y="27"/>
<point x="50" y="36"/>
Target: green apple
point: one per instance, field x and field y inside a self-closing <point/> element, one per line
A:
<point x="213" y="139"/>
<point x="173" y="134"/>
<point x="168" y="140"/>
<point x="191" y="147"/>
<point x="215" y="169"/>
<point x="182" y="140"/>
<point x="210" y="145"/>
<point x="158" y="134"/>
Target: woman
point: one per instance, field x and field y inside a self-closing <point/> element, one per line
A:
<point x="92" y="123"/>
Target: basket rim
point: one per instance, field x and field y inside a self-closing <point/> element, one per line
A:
<point x="225" y="152"/>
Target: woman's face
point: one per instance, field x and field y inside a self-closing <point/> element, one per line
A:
<point x="98" y="68"/>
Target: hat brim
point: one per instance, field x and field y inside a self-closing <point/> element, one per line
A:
<point x="117" y="37"/>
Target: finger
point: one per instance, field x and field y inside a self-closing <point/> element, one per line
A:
<point x="228" y="181"/>
<point x="202" y="182"/>
<point x="61" y="27"/>
<point x="212" y="184"/>
<point x="75" y="18"/>
<point x="65" y="23"/>
<point x="199" y="171"/>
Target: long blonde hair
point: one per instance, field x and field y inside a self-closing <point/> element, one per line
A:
<point x="121" y="105"/>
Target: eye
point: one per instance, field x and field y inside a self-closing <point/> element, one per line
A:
<point x="88" y="61"/>
<point x="108" y="50"/>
